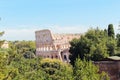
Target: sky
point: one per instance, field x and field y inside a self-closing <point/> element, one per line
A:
<point x="21" y="18"/>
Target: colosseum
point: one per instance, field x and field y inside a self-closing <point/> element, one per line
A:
<point x="49" y="45"/>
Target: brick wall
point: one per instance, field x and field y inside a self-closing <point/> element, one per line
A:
<point x="110" y="67"/>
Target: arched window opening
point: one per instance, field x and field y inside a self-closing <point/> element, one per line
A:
<point x="56" y="56"/>
<point x="52" y="57"/>
<point x="65" y="57"/>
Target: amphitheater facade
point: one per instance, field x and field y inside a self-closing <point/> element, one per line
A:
<point x="49" y="45"/>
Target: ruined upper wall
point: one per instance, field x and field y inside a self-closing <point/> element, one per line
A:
<point x="68" y="37"/>
<point x="46" y="37"/>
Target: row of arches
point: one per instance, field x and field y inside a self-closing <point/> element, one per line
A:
<point x="63" y="56"/>
<point x="45" y="49"/>
<point x="51" y="56"/>
<point x="50" y="48"/>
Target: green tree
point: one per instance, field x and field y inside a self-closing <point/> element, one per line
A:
<point x="111" y="43"/>
<point x="1" y="41"/>
<point x="74" y="49"/>
<point x="27" y="69"/>
<point x="24" y="46"/>
<point x="57" y="70"/>
<point x="111" y="46"/>
<point x="91" y="46"/>
<point x="117" y="51"/>
<point x="29" y="54"/>
<point x="118" y="40"/>
<point x="3" y="64"/>
<point x="86" y="70"/>
<point x="111" y="31"/>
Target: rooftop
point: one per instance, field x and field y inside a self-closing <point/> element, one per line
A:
<point x="114" y="58"/>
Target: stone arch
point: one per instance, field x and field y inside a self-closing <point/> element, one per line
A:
<point x="58" y="46"/>
<point x="56" y="56"/>
<point x="65" y="57"/>
<point x="52" y="57"/>
<point x="47" y="56"/>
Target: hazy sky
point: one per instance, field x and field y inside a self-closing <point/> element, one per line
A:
<point x="21" y="18"/>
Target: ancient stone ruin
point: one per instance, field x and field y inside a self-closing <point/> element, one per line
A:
<point x="50" y="45"/>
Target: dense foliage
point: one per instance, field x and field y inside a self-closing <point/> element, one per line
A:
<point x="95" y="45"/>
<point x="1" y="41"/>
<point x="111" y="31"/>
<point x="21" y="68"/>
<point x="18" y="67"/>
<point x="19" y="62"/>
<point x="57" y="70"/>
<point x="14" y="66"/>
<point x="85" y="70"/>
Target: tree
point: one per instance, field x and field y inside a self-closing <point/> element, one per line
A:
<point x="86" y="70"/>
<point x="24" y="46"/>
<point x="118" y="40"/>
<point x="56" y="70"/>
<point x="91" y="46"/>
<point x="74" y="49"/>
<point x="29" y="54"/>
<point x="111" y="31"/>
<point x="111" y="45"/>
<point x="27" y="69"/>
<point x="3" y="64"/>
<point x="1" y="41"/>
<point x="117" y="45"/>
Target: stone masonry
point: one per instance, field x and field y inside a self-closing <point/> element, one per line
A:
<point x="50" y="45"/>
<point x="111" y="66"/>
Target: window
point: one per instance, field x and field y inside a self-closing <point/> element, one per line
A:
<point x="65" y="57"/>
<point x="56" y="56"/>
<point x="52" y="57"/>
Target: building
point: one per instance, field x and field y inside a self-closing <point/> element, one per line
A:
<point x="5" y="45"/>
<point x="50" y="45"/>
<point x="110" y="65"/>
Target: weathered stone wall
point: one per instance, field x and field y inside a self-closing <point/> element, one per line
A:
<point x="111" y="67"/>
<point x="50" y="45"/>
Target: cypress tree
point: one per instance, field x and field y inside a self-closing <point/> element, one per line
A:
<point x="111" y="31"/>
